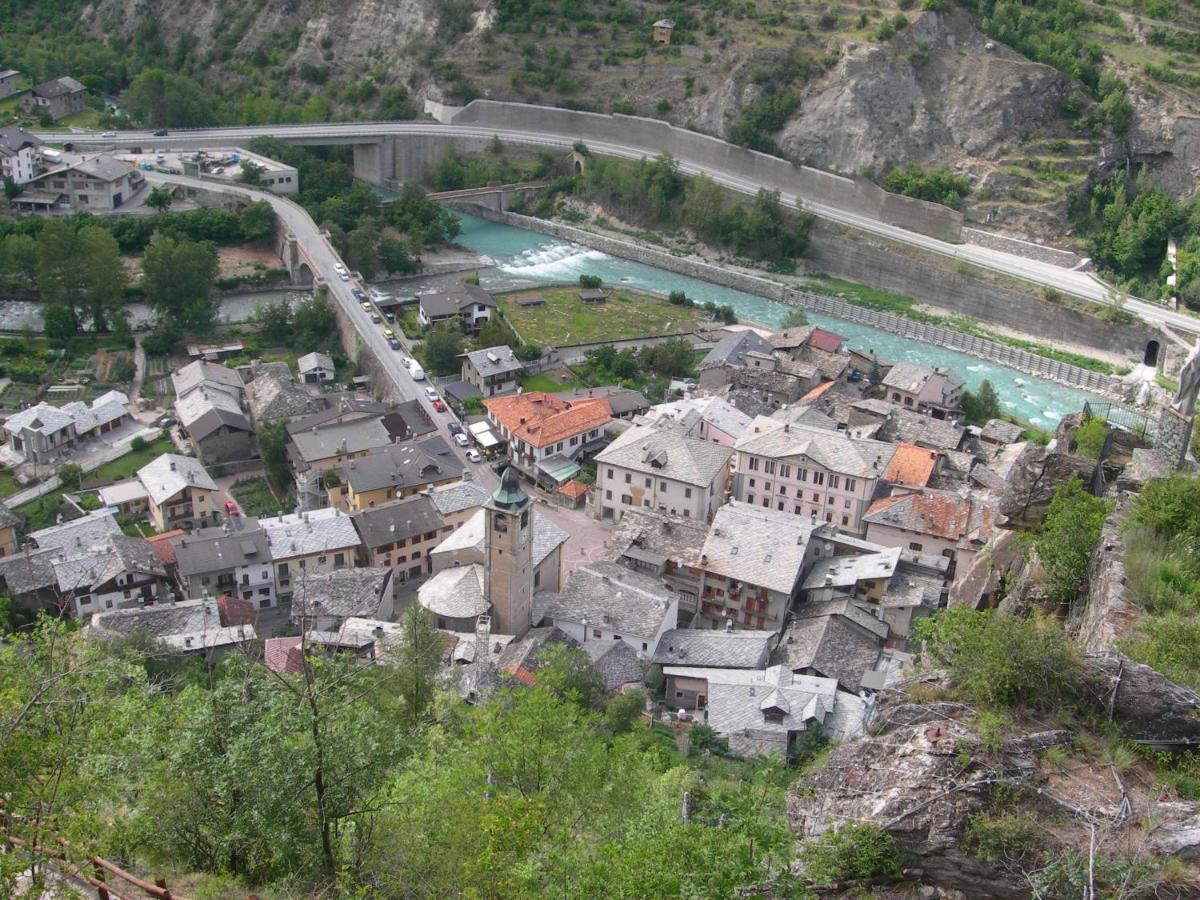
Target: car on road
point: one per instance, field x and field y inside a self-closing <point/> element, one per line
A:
<point x="454" y="428"/>
<point x="366" y="306"/>
<point x="415" y="372"/>
<point x="341" y="270"/>
<point x="406" y="362"/>
<point x="462" y="440"/>
<point x="439" y="406"/>
<point x="231" y="508"/>
<point x="431" y="394"/>
<point x="109" y="134"/>
<point x="389" y="315"/>
<point x="375" y="318"/>
<point x="359" y="294"/>
<point x="388" y="333"/>
<point x="394" y="343"/>
<point x="161" y="132"/>
<point x="474" y="456"/>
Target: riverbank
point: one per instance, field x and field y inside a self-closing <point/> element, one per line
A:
<point x="776" y="290"/>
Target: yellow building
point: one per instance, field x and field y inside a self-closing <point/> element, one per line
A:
<point x="180" y="493"/>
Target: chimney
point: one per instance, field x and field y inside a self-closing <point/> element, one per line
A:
<point x="171" y="462"/>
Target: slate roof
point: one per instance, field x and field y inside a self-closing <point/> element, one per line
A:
<point x="832" y="644"/>
<point x="8" y="518"/>
<point x="936" y="513"/>
<point x="104" y="167"/>
<point x="88" y="568"/>
<point x="170" y="473"/>
<point x="270" y="398"/>
<point x="340" y="438"/>
<point x="28" y="571"/>
<point x="455" y="593"/>
<point x="206" y="408"/>
<point x="911" y="465"/>
<point x="715" y="411"/>
<point x="458" y="496"/>
<point x="407" y="420"/>
<point x="997" y="431"/>
<point x="56" y="87"/>
<point x="42" y="418"/>
<point x="660" y="534"/>
<point x="214" y="549"/>
<point x="791" y="338"/>
<point x="738" y="698"/>
<point x="714" y="649"/>
<point x="491" y="361"/>
<point x="836" y="452"/>
<point x="731" y="350"/>
<point x="615" y="662"/>
<point x="189" y="625"/>
<point x="453" y="300"/>
<point x="547" y="537"/>
<point x="609" y="595"/>
<point x="312" y="362"/>
<point x="86" y="531"/>
<point x="665" y="454"/>
<point x="342" y="593"/>
<point x="925" y="431"/>
<point x="319" y="531"/>
<point x="847" y="571"/>
<point x="385" y="525"/>
<point x="809" y="416"/>
<point x="908" y="376"/>
<point x="337" y="406"/>
<point x="110" y="407"/>
<point x="13" y="139"/>
<point x="760" y="546"/>
<point x="400" y="466"/>
<point x="541" y="419"/>
<point x="189" y="377"/>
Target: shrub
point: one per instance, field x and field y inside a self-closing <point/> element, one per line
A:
<point x="1068" y="535"/>
<point x="853" y="851"/>
<point x="992" y="727"/>
<point x="590" y="281"/>
<point x="138" y="444"/>
<point x="1006" y="835"/>
<point x="999" y="660"/>
<point x="1090" y="437"/>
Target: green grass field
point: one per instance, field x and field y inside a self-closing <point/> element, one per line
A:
<point x="255" y="498"/>
<point x="543" y="382"/>
<point x="127" y="465"/>
<point x="564" y="319"/>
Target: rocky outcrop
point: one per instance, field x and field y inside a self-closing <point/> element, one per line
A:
<point x="1107" y="613"/>
<point x="992" y="575"/>
<point x="1031" y="485"/>
<point x="1146" y="705"/>
<point x="937" y="92"/>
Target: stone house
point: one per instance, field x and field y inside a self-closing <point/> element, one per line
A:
<point x="933" y="523"/>
<point x="116" y="572"/>
<point x="8" y="82"/>
<point x="467" y="305"/>
<point x="100" y="183"/>
<point x="315" y="368"/>
<point x="56" y="98"/>
<point x="495" y="370"/>
<point x="936" y="392"/>
<point x="310" y="543"/>
<point x="809" y="472"/>
<point x="659" y="469"/>
<point x="323" y="603"/>
<point x="9" y="522"/>
<point x="180" y="492"/>
<point x="234" y="559"/>
<point x="393" y="473"/>
<point x="20" y="152"/>
<point x="400" y="536"/>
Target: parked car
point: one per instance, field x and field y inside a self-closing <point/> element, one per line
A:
<point x="474" y="456"/>
<point x="439" y="406"/>
<point x="359" y="294"/>
<point x="161" y="132"/>
<point x="231" y="508"/>
<point x="387" y="332"/>
<point x="462" y="440"/>
<point x="431" y="394"/>
<point x="366" y="306"/>
<point x="389" y="315"/>
<point x="109" y="134"/>
<point x="454" y="428"/>
<point x="375" y="318"/>
<point x="406" y="362"/>
<point x="394" y="343"/>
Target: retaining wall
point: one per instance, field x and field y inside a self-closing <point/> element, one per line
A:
<point x="857" y="195"/>
<point x="937" y="282"/>
<point x="1022" y="360"/>
<point x="1002" y="242"/>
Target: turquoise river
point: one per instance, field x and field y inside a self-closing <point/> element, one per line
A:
<point x="525" y="256"/>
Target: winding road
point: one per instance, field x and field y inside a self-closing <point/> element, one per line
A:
<point x="1047" y="275"/>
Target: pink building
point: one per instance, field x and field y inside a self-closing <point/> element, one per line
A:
<point x="809" y="471"/>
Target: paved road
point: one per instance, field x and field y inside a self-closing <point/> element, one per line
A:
<point x="1080" y="284"/>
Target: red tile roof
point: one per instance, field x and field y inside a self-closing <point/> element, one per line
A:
<point x="820" y="339"/>
<point x="283" y="654"/>
<point x="541" y="419"/>
<point x="816" y="392"/>
<point x="234" y="611"/>
<point x="911" y="465"/>
<point x="573" y="489"/>
<point x="162" y="546"/>
<point x="935" y="513"/>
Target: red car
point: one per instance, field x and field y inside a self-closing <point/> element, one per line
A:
<point x="231" y="508"/>
<point x="439" y="406"/>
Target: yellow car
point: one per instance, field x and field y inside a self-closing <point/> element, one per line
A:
<point x="388" y="333"/>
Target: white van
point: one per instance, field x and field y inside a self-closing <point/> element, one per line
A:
<point x="415" y="370"/>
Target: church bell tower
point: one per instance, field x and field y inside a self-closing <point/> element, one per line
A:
<point x="509" y="571"/>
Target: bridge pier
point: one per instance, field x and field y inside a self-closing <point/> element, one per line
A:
<point x="407" y="158"/>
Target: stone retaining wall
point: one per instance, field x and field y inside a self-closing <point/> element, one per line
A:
<point x="1002" y="242"/>
<point x="1052" y="370"/>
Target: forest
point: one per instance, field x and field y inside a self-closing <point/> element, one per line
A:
<point x="370" y="780"/>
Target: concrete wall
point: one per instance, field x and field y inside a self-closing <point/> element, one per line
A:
<point x="997" y="306"/>
<point x="857" y="195"/>
<point x="1028" y="249"/>
<point x="934" y="281"/>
